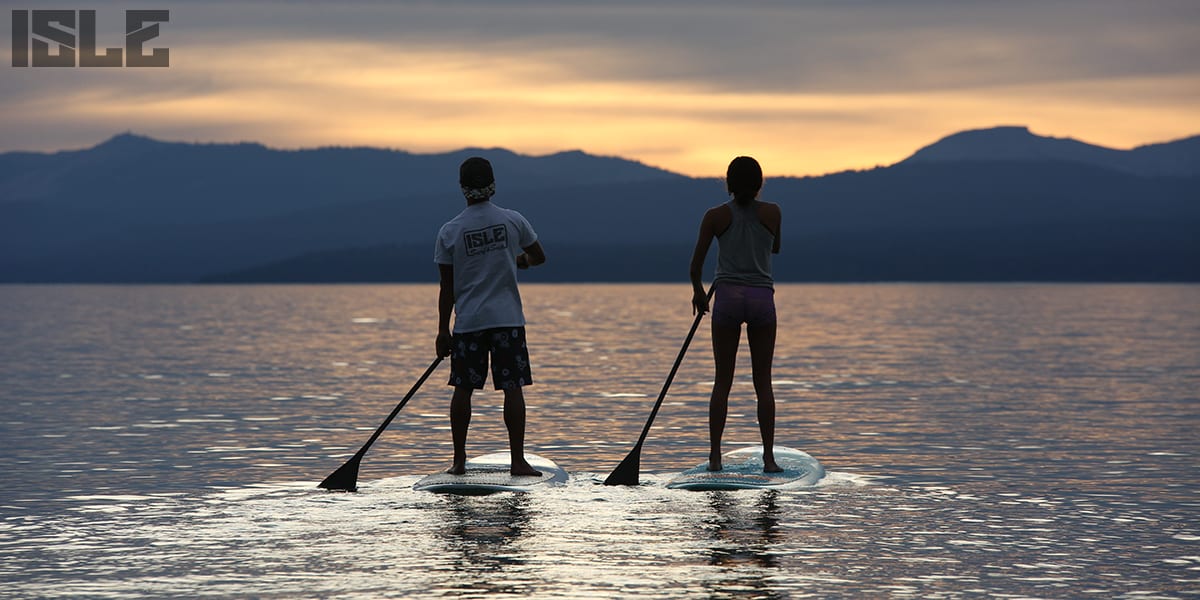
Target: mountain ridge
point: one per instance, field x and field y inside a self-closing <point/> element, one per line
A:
<point x="137" y="209"/>
<point x="1179" y="158"/>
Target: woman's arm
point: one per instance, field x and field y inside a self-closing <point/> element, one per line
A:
<point x="703" y="241"/>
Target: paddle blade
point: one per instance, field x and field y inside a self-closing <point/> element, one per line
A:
<point x="345" y="479"/>
<point x="626" y="473"/>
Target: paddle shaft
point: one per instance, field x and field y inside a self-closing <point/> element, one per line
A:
<point x="671" y="376"/>
<point x="395" y="411"/>
<point x="346" y="477"/>
<point x="622" y="475"/>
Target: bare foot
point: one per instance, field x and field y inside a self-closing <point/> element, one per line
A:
<point x="714" y="464"/>
<point x="770" y="466"/>
<point x="524" y="469"/>
<point x="457" y="468"/>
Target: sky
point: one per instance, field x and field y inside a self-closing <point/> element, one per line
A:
<point x="807" y="87"/>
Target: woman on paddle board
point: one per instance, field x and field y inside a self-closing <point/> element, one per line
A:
<point x="747" y="234"/>
<point x="478" y="254"/>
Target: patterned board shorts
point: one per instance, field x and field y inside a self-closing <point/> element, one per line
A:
<point x="735" y="304"/>
<point x="510" y="358"/>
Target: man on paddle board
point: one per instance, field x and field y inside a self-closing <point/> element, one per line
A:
<point x="747" y="233"/>
<point x="478" y="253"/>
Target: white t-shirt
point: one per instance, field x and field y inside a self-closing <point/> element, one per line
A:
<point x="482" y="244"/>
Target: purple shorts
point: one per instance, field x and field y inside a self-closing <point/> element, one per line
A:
<point x="735" y="304"/>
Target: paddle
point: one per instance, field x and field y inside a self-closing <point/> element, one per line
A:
<point x="626" y="473"/>
<point x="346" y="477"/>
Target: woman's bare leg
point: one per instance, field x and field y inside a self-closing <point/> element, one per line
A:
<point x="762" y="353"/>
<point x="725" y="346"/>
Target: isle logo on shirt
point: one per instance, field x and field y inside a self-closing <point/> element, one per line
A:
<point x="482" y="241"/>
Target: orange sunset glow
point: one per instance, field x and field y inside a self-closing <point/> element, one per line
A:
<point x="542" y="90"/>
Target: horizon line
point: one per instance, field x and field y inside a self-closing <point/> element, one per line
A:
<point x="334" y="146"/>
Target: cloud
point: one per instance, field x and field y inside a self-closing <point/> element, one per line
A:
<point x="848" y="46"/>
<point x="813" y="86"/>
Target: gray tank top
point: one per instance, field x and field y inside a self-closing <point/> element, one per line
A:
<point x="745" y="249"/>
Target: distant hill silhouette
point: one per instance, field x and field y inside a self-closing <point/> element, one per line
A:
<point x="1179" y="158"/>
<point x="999" y="204"/>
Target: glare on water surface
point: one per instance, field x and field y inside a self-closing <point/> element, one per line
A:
<point x="1019" y="440"/>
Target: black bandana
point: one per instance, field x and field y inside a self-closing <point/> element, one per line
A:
<point x="482" y="193"/>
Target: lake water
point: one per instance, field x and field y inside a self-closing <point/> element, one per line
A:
<point x="982" y="441"/>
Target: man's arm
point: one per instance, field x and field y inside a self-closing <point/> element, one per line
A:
<point x="533" y="256"/>
<point x="445" y="307"/>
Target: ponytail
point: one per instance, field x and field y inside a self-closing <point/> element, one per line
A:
<point x="743" y="199"/>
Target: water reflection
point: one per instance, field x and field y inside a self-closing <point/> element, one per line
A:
<point x="480" y="536"/>
<point x="743" y="542"/>
<point x="1030" y="441"/>
<point x="741" y="534"/>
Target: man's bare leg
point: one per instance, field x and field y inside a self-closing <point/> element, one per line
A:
<point x="514" y="420"/>
<point x="460" y="422"/>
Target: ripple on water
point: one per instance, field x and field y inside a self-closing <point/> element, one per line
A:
<point x="971" y="450"/>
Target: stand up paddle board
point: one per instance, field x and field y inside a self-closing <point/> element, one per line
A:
<point x="742" y="469"/>
<point x="489" y="474"/>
